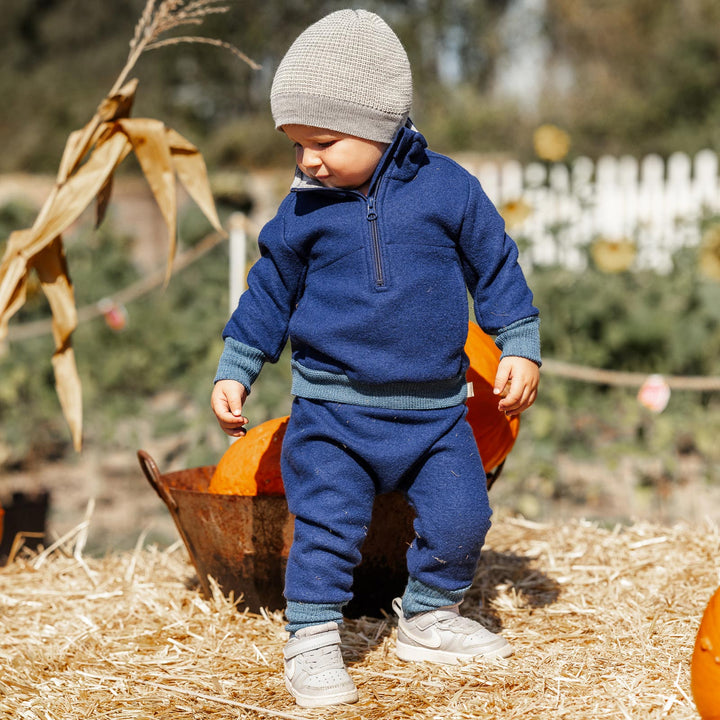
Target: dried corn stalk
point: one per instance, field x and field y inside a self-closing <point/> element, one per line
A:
<point x="86" y="173"/>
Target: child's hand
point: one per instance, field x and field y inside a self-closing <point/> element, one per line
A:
<point x="227" y="400"/>
<point x="520" y="377"/>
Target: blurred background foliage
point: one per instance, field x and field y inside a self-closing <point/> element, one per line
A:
<point x="622" y="75"/>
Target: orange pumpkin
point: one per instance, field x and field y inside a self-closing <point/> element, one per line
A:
<point x="495" y="433"/>
<point x="251" y="466"/>
<point x="705" y="665"/>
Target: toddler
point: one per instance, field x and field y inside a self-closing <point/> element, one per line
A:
<point x="366" y="270"/>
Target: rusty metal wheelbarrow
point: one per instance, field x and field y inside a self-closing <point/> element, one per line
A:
<point x="243" y="541"/>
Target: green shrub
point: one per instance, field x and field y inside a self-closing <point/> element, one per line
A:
<point x="636" y="321"/>
<point x="633" y="321"/>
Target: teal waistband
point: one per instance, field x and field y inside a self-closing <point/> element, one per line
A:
<point x="335" y="387"/>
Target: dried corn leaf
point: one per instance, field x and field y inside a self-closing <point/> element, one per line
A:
<point x="13" y="289"/>
<point x="161" y="152"/>
<point x="192" y="173"/>
<point x="120" y="104"/>
<point x="13" y="275"/>
<point x="103" y="201"/>
<point x="113" y="108"/>
<point x="51" y="267"/>
<point x="151" y="148"/>
<point x="71" y="154"/>
<point x="80" y="142"/>
<point x="69" y="390"/>
<point x="67" y="204"/>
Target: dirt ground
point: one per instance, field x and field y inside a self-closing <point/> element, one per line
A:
<point x="112" y="493"/>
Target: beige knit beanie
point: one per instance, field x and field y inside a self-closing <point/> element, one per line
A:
<point x="348" y="73"/>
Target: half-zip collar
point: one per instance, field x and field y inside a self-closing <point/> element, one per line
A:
<point x="304" y="183"/>
<point x="399" y="150"/>
<point x="301" y="181"/>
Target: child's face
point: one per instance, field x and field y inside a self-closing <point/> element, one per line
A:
<point x="335" y="159"/>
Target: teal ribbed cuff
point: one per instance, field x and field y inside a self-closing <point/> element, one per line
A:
<point x="301" y="615"/>
<point x="239" y="362"/>
<point x="521" y="339"/>
<point x="419" y="597"/>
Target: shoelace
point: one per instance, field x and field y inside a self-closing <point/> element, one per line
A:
<point x="458" y="623"/>
<point x="324" y="658"/>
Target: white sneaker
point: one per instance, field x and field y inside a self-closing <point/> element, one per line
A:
<point x="315" y="673"/>
<point x="444" y="636"/>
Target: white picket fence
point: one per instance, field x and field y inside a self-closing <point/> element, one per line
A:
<point x="654" y="203"/>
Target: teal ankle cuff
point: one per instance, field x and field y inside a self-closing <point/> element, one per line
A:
<point x="301" y="615"/>
<point x="419" y="597"/>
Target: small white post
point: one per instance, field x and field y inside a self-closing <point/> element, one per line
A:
<point x="238" y="250"/>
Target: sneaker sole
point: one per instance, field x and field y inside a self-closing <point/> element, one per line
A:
<point x="413" y="653"/>
<point x="312" y="701"/>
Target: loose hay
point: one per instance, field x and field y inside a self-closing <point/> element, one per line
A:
<point x="603" y="622"/>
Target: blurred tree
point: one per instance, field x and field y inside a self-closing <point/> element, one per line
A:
<point x="450" y="42"/>
<point x="644" y="74"/>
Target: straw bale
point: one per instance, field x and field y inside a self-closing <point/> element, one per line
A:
<point x="603" y="621"/>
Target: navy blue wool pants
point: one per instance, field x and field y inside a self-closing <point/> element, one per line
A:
<point x="337" y="457"/>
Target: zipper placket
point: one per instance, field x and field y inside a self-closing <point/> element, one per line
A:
<point x="372" y="218"/>
<point x="375" y="236"/>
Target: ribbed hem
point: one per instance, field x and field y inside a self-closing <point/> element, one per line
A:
<point x="239" y="362"/>
<point x="521" y="339"/>
<point x="301" y="615"/>
<point x="335" y="387"/>
<point x="334" y="114"/>
<point x="419" y="597"/>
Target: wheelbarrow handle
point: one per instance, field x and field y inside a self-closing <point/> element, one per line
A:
<point x="152" y="473"/>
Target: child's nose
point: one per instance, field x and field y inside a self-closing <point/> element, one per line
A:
<point x="308" y="158"/>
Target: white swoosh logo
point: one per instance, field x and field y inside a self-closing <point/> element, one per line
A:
<point x="428" y="638"/>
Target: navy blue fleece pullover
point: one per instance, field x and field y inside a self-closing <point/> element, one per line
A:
<point x="372" y="291"/>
